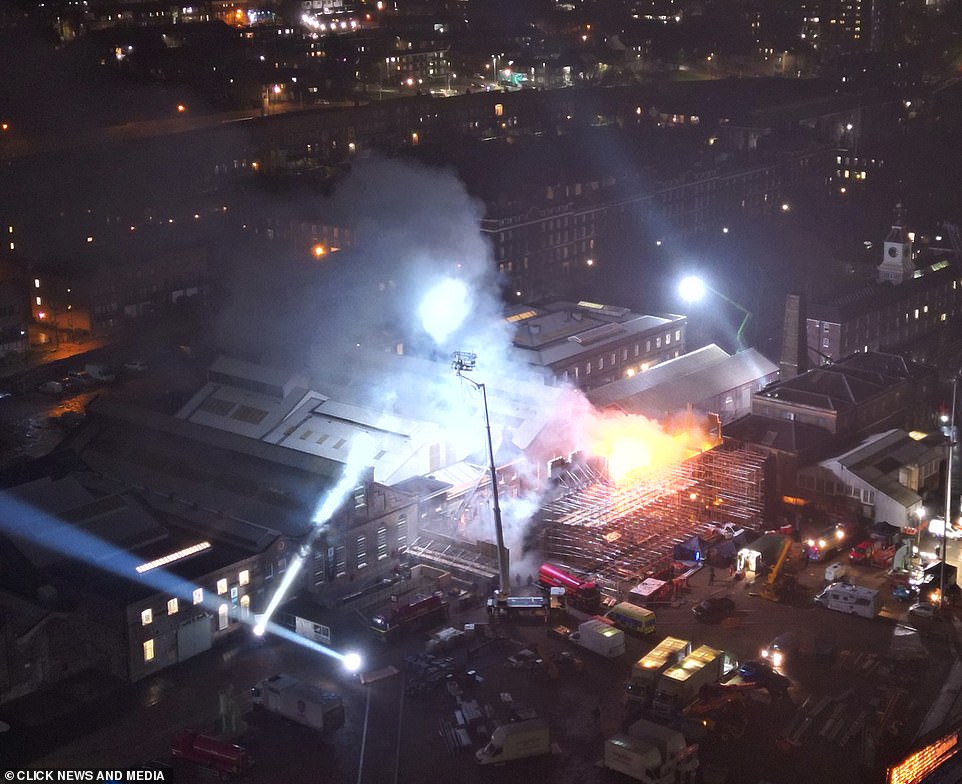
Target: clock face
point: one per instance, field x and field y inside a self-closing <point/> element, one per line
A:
<point x="893" y="251"/>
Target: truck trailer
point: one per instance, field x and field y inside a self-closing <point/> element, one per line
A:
<point x="301" y="702"/>
<point x="651" y="753"/>
<point x="646" y="671"/>
<point x="516" y="740"/>
<point x="601" y="637"/>
<point x="228" y="759"/>
<point x="679" y="684"/>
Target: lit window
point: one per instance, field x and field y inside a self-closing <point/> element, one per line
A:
<point x="198" y="595"/>
<point x="499" y="110"/>
<point x="172" y="606"/>
<point x="382" y="543"/>
<point x="36" y="283"/>
<point x="244" y="577"/>
<point x="222" y="586"/>
<point x="402" y="534"/>
<point x="146" y="617"/>
<point x="149" y="651"/>
<point x="361" y="552"/>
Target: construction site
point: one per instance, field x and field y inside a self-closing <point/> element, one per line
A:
<point x="617" y="533"/>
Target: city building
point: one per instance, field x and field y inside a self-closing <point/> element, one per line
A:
<point x="803" y="419"/>
<point x="708" y="379"/>
<point x="888" y="475"/>
<point x="588" y="344"/>
<point x="916" y="296"/>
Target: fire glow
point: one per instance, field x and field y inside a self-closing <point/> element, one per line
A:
<point x="635" y="445"/>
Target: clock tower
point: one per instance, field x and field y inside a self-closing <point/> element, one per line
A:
<point x="896" y="266"/>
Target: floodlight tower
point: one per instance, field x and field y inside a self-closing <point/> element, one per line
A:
<point x="463" y="361"/>
<point x="692" y="289"/>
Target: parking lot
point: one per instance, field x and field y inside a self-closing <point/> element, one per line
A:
<point x="849" y="704"/>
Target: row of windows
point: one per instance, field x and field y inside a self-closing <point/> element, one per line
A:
<point x="223" y="621"/>
<point x="610" y="359"/>
<point x="173" y="604"/>
<point x="831" y="486"/>
<point x="361" y="552"/>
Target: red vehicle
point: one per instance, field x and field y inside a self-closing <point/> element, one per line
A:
<point x="420" y="612"/>
<point x="581" y="594"/>
<point x="861" y="554"/>
<point x="226" y="758"/>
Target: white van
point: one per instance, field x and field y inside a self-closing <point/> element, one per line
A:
<point x="853" y="599"/>
<point x="516" y="740"/>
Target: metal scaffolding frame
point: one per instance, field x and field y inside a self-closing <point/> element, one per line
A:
<point x="624" y="534"/>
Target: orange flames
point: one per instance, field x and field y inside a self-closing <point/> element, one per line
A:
<point x="636" y="445"/>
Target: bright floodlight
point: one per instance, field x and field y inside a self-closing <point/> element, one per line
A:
<point x="352" y="662"/>
<point x="691" y="289"/>
<point x="259" y="629"/>
<point x="444" y="308"/>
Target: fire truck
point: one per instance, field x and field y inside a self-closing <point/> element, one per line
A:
<point x="423" y="612"/>
<point x="228" y="759"/>
<point x="584" y="595"/>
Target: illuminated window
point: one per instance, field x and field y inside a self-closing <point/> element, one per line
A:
<point x="244" y="577"/>
<point x="198" y="595"/>
<point x="360" y="498"/>
<point x="36" y="283"/>
<point x="222" y="586"/>
<point x="499" y="110"/>
<point x="382" y="543"/>
<point x="361" y="551"/>
<point x="172" y="606"/>
<point x="146" y="617"/>
<point x="149" y="651"/>
<point x="223" y="617"/>
<point x="402" y="534"/>
<point x="38" y="300"/>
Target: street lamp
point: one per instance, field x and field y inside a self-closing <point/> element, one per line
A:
<point x="948" y="485"/>
<point x="692" y="289"/>
<point x="463" y="361"/>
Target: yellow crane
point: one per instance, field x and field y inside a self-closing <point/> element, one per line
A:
<point x="777" y="583"/>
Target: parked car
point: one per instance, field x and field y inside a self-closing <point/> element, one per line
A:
<point x="51" y="388"/>
<point x="923" y="610"/>
<point x="714" y="609"/>
<point x="135" y="366"/>
<point x="82" y="378"/>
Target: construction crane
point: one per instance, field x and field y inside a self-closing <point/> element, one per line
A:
<point x="778" y="584"/>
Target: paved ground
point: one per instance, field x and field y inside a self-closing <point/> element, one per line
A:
<point x="882" y="667"/>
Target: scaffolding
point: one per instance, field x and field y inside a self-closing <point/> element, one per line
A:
<point x="624" y="534"/>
